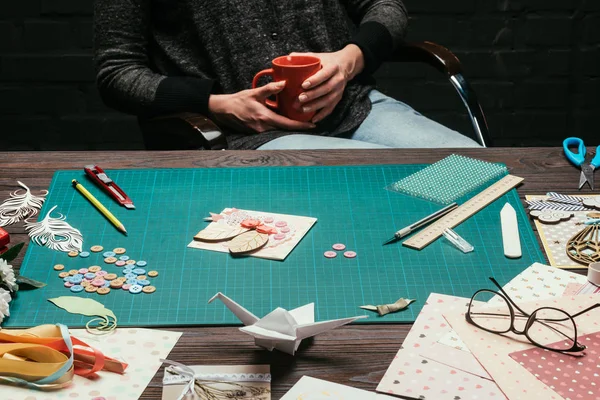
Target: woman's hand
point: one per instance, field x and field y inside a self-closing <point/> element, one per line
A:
<point x="246" y="111"/>
<point x="324" y="90"/>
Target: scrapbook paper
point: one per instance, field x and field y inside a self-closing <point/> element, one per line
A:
<point x="286" y="231"/>
<point x="140" y="348"/>
<point x="308" y="388"/>
<point x="251" y="382"/>
<point x="554" y="237"/>
<point x="572" y="289"/>
<point x="411" y="374"/>
<point x="571" y="377"/>
<point x="588" y="288"/>
<point x="456" y="358"/>
<point x="492" y="350"/>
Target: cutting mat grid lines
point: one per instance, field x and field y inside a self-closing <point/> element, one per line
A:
<point x="351" y="205"/>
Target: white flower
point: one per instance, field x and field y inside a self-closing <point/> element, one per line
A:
<point x="4" y="300"/>
<point x="7" y="275"/>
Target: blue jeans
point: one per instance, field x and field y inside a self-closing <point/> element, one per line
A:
<point x="390" y="123"/>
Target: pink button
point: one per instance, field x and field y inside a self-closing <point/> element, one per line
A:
<point x="68" y="284"/>
<point x="101" y="273"/>
<point x="285" y="229"/>
<point x="126" y="286"/>
<point x="349" y="254"/>
<point x="339" y="246"/>
<point x="279" y="236"/>
<point x="83" y="271"/>
<point x="280" y="224"/>
<point x="268" y="220"/>
<point x="98" y="282"/>
<point x="330" y="254"/>
<point x="120" y="263"/>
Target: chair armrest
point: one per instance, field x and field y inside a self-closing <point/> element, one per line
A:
<point x="182" y="131"/>
<point x="430" y="53"/>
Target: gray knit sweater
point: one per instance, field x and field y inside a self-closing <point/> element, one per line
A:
<point x="163" y="56"/>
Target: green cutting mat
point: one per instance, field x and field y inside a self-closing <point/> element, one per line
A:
<point x="351" y="206"/>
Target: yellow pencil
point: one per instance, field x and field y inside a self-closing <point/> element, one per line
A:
<point x="99" y="206"/>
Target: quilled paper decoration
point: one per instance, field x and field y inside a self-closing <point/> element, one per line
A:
<point x="55" y="233"/>
<point x="107" y="321"/>
<point x="549" y="216"/>
<point x="21" y="205"/>
<point x="584" y="247"/>
<point x="592" y="202"/>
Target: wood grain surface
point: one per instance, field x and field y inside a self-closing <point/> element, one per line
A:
<point x="351" y="355"/>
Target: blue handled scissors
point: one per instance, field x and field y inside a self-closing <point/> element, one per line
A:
<point x="578" y="159"/>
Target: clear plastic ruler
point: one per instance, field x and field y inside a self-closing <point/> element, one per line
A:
<point x="471" y="207"/>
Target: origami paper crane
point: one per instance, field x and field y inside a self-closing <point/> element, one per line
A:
<point x="282" y="329"/>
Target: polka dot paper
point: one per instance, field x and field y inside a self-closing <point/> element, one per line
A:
<point x="288" y="230"/>
<point x="571" y="377"/>
<point x="140" y="348"/>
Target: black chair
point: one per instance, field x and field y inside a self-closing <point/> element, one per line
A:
<point x="194" y="131"/>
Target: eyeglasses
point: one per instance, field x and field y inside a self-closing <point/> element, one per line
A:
<point x="547" y="327"/>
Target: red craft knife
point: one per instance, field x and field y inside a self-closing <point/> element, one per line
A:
<point x="99" y="177"/>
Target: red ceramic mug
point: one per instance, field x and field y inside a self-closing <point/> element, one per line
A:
<point x="294" y="70"/>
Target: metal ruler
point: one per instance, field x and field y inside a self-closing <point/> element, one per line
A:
<point x="463" y="212"/>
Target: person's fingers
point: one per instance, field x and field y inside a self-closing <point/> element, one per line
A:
<point x="321" y="102"/>
<point x="324" y="112"/>
<point x="303" y="54"/>
<point x="320" y="76"/>
<point x="269" y="89"/>
<point x="305" y="98"/>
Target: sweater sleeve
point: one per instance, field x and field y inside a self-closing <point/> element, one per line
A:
<point x="125" y="79"/>
<point x="381" y="28"/>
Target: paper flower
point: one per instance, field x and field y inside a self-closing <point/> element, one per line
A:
<point x="7" y="275"/>
<point x="4" y="304"/>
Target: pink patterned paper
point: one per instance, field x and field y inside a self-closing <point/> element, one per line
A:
<point x="572" y="289"/>
<point x="571" y="377"/>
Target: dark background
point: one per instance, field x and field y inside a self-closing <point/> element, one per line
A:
<point x="534" y="63"/>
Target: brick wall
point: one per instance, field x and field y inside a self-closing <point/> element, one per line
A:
<point x="535" y="65"/>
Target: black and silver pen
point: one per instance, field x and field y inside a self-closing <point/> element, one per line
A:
<point x="428" y="219"/>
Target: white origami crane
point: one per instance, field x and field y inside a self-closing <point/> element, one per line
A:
<point x="282" y="329"/>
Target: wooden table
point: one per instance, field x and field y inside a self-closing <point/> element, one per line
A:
<point x="354" y="355"/>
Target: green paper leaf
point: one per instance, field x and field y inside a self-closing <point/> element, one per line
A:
<point x="22" y="280"/>
<point x="83" y="306"/>
<point x="12" y="253"/>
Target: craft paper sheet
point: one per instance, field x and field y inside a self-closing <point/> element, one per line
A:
<point x="539" y="281"/>
<point x="413" y="375"/>
<point x="493" y="350"/>
<point x="571" y="377"/>
<point x="140" y="348"/>
<point x="308" y="388"/>
<point x="290" y="230"/>
<point x="236" y="374"/>
<point x="555" y="237"/>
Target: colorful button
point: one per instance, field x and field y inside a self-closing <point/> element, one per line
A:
<point x="68" y="279"/>
<point x="141" y="277"/>
<point x="349" y="254"/>
<point x="152" y="274"/>
<point x="110" y="277"/>
<point x="73" y="253"/>
<point x="339" y="246"/>
<point x="91" y="288"/>
<point x="280" y="224"/>
<point x="116" y="284"/>
<point x="78" y="276"/>
<point x="84" y="254"/>
<point x="131" y="276"/>
<point x="94" y="268"/>
<point x="76" y="288"/>
<point x="268" y="220"/>
<point x="98" y="282"/>
<point x="68" y="284"/>
<point x="141" y="263"/>
<point x="126" y="286"/>
<point x="149" y="289"/>
<point x="279" y="236"/>
<point x="127" y="271"/>
<point x="120" y="250"/>
<point x="107" y="254"/>
<point x="120" y="263"/>
<point x="97" y="248"/>
<point x="83" y="270"/>
<point x="103" y="290"/>
<point x="110" y="260"/>
<point x="143" y="282"/>
<point x="85" y="283"/>
<point x="106" y="284"/>
<point x="124" y="258"/>
<point x="59" y="267"/>
<point x="73" y="272"/>
<point x="131" y="281"/>
<point x="121" y="278"/>
<point x="130" y="262"/>
<point x="101" y="273"/>
<point x="139" y="271"/>
<point x="63" y="275"/>
<point x="285" y="229"/>
<point x="330" y="254"/>
<point x="135" y="289"/>
<point x="89" y="275"/>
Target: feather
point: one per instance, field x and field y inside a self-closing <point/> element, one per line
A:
<point x="55" y="233"/>
<point x="20" y="206"/>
